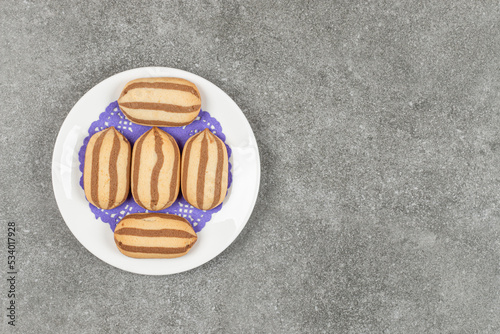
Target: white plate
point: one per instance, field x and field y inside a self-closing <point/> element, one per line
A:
<point x="97" y="236"/>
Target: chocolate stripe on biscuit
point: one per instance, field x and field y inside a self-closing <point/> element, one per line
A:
<point x="174" y="180"/>
<point x="218" y="172"/>
<point x="136" y="166"/>
<point x="129" y="155"/>
<point x="157" y="215"/>
<point x="155" y="250"/>
<point x="155" y="174"/>
<point x="185" y="167"/>
<point x="202" y="169"/>
<point x="94" y="174"/>
<point x="155" y="123"/>
<point x="167" y="233"/>
<point x="113" y="170"/>
<point x="162" y="85"/>
<point x="161" y="106"/>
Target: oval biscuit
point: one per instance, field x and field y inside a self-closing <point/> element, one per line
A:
<point x="155" y="170"/>
<point x="154" y="235"/>
<point x="160" y="101"/>
<point x="204" y="170"/>
<point x="106" y="174"/>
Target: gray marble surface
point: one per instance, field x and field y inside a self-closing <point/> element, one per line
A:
<point x="379" y="131"/>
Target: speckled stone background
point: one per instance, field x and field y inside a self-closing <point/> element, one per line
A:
<point x="379" y="131"/>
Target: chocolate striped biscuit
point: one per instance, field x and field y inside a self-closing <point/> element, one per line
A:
<point x="155" y="170"/>
<point x="154" y="235"/>
<point x="204" y="170"/>
<point x="160" y="101"/>
<point x="106" y="173"/>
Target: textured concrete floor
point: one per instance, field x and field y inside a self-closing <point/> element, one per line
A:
<point x="379" y="132"/>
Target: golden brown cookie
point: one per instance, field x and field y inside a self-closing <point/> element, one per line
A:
<point x="106" y="174"/>
<point x="155" y="170"/>
<point x="160" y="101"/>
<point x="204" y="170"/>
<point x="154" y="235"/>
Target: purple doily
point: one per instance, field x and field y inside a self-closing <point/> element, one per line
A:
<point x="113" y="116"/>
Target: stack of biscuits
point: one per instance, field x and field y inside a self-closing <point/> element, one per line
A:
<point x="155" y="169"/>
